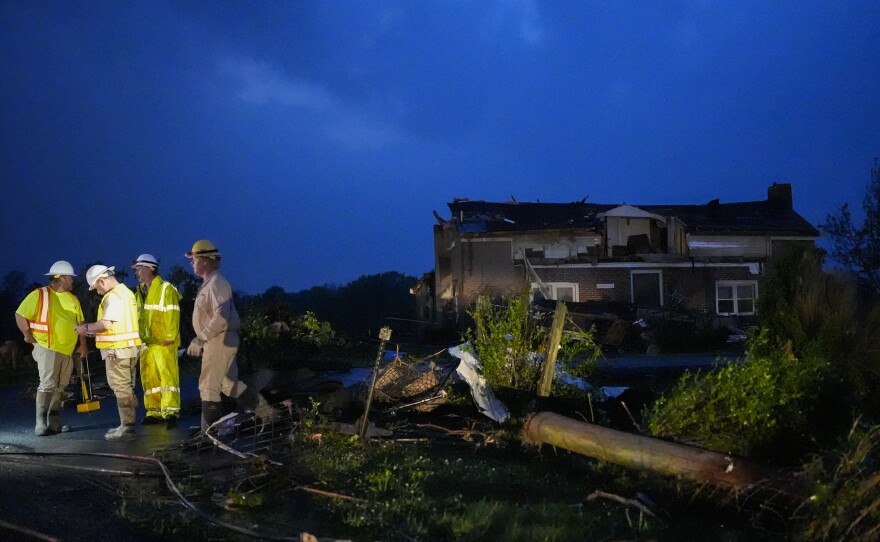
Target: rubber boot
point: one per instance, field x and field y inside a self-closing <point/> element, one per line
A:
<point x="211" y="412"/>
<point x="54" y="416"/>
<point x="125" y="431"/>
<point x="42" y="427"/>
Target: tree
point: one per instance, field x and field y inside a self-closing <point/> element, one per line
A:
<point x="12" y="290"/>
<point x="857" y="248"/>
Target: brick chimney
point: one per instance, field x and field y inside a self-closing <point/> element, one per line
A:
<point x="780" y="194"/>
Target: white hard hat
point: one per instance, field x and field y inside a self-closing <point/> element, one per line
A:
<point x="61" y="268"/>
<point x="145" y="260"/>
<point x="95" y="272"/>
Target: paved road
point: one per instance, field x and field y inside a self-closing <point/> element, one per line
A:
<point x="48" y="491"/>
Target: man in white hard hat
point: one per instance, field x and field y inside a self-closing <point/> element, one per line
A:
<point x="47" y="318"/>
<point x="216" y="324"/>
<point x="117" y="337"/>
<point x="159" y="322"/>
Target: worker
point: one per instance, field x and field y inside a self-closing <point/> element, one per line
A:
<point x="47" y="318"/>
<point x="116" y="336"/>
<point x="216" y="324"/>
<point x="158" y="303"/>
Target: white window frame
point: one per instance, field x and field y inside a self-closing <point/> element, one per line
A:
<point x="553" y="286"/>
<point x="734" y="284"/>
<point x="632" y="284"/>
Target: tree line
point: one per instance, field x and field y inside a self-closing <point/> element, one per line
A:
<point x="356" y="309"/>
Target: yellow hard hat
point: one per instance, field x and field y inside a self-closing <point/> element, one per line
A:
<point x="205" y="249"/>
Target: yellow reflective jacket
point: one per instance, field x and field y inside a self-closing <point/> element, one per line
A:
<point x="123" y="332"/>
<point x="159" y="313"/>
<point x="52" y="317"/>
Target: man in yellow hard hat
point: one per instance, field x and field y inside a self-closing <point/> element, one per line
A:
<point x="159" y="322"/>
<point x="47" y="318"/>
<point x="117" y="337"/>
<point x="216" y="324"/>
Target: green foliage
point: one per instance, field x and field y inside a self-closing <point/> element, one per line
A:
<point x="509" y="342"/>
<point x="396" y="491"/>
<point x="504" y="338"/>
<point x="745" y="409"/>
<point x="845" y="504"/>
<point x="812" y="365"/>
<point x="282" y="343"/>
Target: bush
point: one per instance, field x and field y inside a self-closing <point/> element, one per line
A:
<point x="285" y="343"/>
<point x="754" y="408"/>
<point x="510" y="342"/>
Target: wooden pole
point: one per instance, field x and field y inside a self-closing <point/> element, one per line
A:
<point x="364" y="422"/>
<point x="549" y="369"/>
<point x="640" y="452"/>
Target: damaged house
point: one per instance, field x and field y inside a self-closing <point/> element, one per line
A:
<point x="706" y="258"/>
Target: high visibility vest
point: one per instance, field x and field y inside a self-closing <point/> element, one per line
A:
<point x="40" y="326"/>
<point x="124" y="332"/>
<point x="160" y="313"/>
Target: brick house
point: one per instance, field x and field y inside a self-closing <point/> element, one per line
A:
<point x="707" y="258"/>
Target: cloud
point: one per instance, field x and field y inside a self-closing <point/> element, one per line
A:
<point x="526" y="18"/>
<point x="260" y="84"/>
<point x="355" y="128"/>
<point x="531" y="29"/>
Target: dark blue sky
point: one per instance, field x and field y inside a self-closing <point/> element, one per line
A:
<point x="312" y="140"/>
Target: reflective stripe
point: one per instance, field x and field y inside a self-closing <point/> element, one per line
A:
<point x="124" y="333"/>
<point x="161" y="308"/>
<point x="105" y="338"/>
<point x="161" y="389"/>
<point x="44" y="305"/>
<point x="41" y="324"/>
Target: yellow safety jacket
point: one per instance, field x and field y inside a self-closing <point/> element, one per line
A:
<point x="159" y="315"/>
<point x="52" y="317"/>
<point x="123" y="332"/>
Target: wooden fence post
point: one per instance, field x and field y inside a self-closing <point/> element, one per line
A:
<point x="549" y="368"/>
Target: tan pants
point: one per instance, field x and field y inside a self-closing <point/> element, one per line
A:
<point x="54" y="368"/>
<point x="120" y="376"/>
<point x="219" y="369"/>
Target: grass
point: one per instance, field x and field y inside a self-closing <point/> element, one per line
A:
<point x="443" y="476"/>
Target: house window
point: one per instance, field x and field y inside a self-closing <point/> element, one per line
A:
<point x="559" y="291"/>
<point x="647" y="288"/>
<point x="736" y="297"/>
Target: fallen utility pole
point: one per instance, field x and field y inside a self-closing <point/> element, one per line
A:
<point x="640" y="452"/>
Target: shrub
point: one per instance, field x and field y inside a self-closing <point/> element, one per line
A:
<point x="278" y="344"/>
<point x="746" y="409"/>
<point x="510" y="342"/>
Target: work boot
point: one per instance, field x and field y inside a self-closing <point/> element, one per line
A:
<point x="125" y="431"/>
<point x="54" y="415"/>
<point x="151" y="420"/>
<point x="122" y="433"/>
<point x="211" y="412"/>
<point x="42" y="427"/>
<point x="170" y="422"/>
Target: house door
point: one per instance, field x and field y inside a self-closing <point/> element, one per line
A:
<point x="647" y="288"/>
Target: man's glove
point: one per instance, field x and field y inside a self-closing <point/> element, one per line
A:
<point x="196" y="347"/>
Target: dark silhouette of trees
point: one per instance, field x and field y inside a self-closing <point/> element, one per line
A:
<point x="857" y="247"/>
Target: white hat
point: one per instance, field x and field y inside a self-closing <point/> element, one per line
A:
<point x="61" y="268"/>
<point x="97" y="271"/>
<point x="145" y="260"/>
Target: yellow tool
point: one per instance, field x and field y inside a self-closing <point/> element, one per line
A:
<point x="86" y="405"/>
